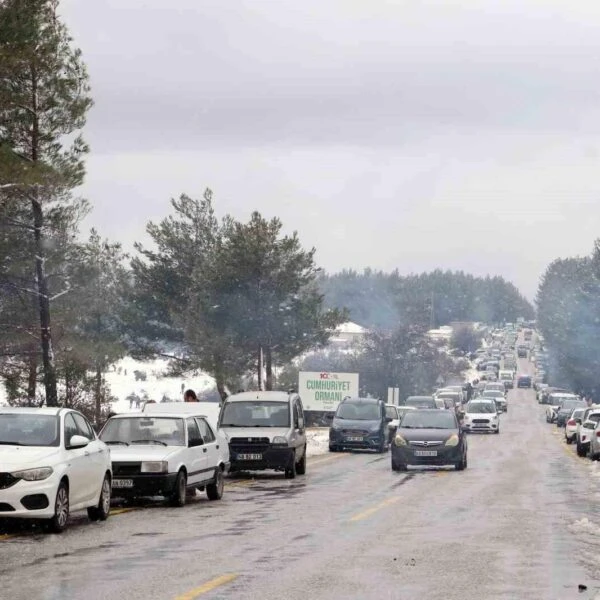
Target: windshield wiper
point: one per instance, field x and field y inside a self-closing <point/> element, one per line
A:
<point x="117" y="442"/>
<point x="13" y="444"/>
<point x="232" y="425"/>
<point x="149" y="442"/>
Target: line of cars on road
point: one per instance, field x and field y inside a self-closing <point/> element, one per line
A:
<point x="52" y="462"/>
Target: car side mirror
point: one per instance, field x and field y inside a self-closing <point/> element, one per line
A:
<point x="300" y="423"/>
<point x="78" y="441"/>
<point x="195" y="443"/>
<point x="388" y="419"/>
<point x="578" y="421"/>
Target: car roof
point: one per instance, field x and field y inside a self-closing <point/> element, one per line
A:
<point x="145" y="415"/>
<point x="362" y="400"/>
<point x="262" y="396"/>
<point x="420" y="398"/>
<point x="40" y="410"/>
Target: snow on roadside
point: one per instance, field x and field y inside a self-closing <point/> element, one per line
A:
<point x="317" y="441"/>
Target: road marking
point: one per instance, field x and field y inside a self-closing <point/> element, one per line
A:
<point x="209" y="586"/>
<point x="122" y="511"/>
<point x="365" y="514"/>
<point x="314" y="463"/>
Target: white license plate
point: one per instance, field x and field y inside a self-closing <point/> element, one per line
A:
<point x="122" y="483"/>
<point x="425" y="452"/>
<point x="354" y="439"/>
<point x="250" y="456"/>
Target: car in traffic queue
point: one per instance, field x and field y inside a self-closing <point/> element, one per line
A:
<point x="167" y="454"/>
<point x="498" y="397"/>
<point x="555" y="403"/>
<point x="420" y="402"/>
<point x="481" y="415"/>
<point x="52" y="464"/>
<point x="429" y="437"/>
<point x="496" y="386"/>
<point x="589" y="421"/>
<point x="265" y="431"/>
<point x="566" y="407"/>
<point x="360" y="423"/>
<point x="507" y="378"/>
<point x="572" y="424"/>
<point x="524" y="381"/>
<point x="522" y="351"/>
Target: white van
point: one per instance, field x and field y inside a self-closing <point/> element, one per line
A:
<point x="507" y="378"/>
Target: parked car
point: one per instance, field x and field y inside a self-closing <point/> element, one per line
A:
<point x="52" y="464"/>
<point x="572" y="424"/>
<point x="166" y="454"/>
<point x="266" y="430"/>
<point x="555" y="403"/>
<point x="481" y="415"/>
<point x="566" y="408"/>
<point x="585" y="431"/>
<point x="429" y="437"/>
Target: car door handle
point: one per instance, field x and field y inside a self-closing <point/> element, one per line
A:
<point x="86" y="453"/>
<point x="204" y="450"/>
<point x="217" y="446"/>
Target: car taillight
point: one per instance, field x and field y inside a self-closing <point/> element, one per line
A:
<point x="597" y="433"/>
<point x="571" y="422"/>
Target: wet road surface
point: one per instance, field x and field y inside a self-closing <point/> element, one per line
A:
<point x="521" y="522"/>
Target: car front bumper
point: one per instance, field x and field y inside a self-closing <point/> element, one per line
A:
<point x="278" y="459"/>
<point x="472" y="427"/>
<point x="445" y="455"/>
<point x="40" y="496"/>
<point x="146" y="484"/>
<point x="372" y="440"/>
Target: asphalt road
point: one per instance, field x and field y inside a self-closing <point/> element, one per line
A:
<point x="521" y="522"/>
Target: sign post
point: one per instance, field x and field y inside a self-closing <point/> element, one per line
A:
<point x="324" y="391"/>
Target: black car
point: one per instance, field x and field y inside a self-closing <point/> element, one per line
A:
<point x="359" y="423"/>
<point x="524" y="381"/>
<point x="566" y="408"/>
<point x="522" y="351"/>
<point x="429" y="437"/>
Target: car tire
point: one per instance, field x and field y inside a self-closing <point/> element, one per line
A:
<point x="301" y="464"/>
<point x="497" y="431"/>
<point x="333" y="448"/>
<point x="594" y="456"/>
<point x="396" y="466"/>
<point x="462" y="464"/>
<point x="179" y="494"/>
<point x="382" y="447"/>
<point x="290" y="472"/>
<point x="102" y="510"/>
<point x="568" y="440"/>
<point x="214" y="490"/>
<point x="581" y="451"/>
<point x="58" y="522"/>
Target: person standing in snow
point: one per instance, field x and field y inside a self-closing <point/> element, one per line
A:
<point x="190" y="396"/>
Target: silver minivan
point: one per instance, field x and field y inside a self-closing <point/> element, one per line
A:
<point x="265" y="430"/>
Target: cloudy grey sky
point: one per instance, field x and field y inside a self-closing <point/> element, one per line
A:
<point x="409" y="134"/>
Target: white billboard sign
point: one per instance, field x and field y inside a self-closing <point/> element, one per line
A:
<point x="324" y="391"/>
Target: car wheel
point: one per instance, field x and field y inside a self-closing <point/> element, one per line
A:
<point x="462" y="464"/>
<point x="581" y="451"/>
<point x="396" y="466"/>
<point x="102" y="510"/>
<point x="290" y="472"/>
<point x="301" y="464"/>
<point x="214" y="490"/>
<point x="497" y="431"/>
<point x="58" y="522"/>
<point x="568" y="440"/>
<point x="179" y="492"/>
<point x="333" y="448"/>
<point x="382" y="447"/>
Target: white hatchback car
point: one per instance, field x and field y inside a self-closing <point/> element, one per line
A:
<point x="572" y="424"/>
<point x="481" y="415"/>
<point x="166" y="454"/>
<point x="585" y="431"/>
<point x="52" y="463"/>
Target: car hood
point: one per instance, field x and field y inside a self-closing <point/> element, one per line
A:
<point x="14" y="458"/>
<point x="480" y="415"/>
<point x="255" y="432"/>
<point x="426" y="434"/>
<point x="140" y="452"/>
<point x="355" y="423"/>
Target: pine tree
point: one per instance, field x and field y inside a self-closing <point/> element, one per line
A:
<point x="44" y="97"/>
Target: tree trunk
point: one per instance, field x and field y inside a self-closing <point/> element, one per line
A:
<point x="268" y="369"/>
<point x="260" y="369"/>
<point x="220" y="381"/>
<point x="32" y="374"/>
<point x="98" y="393"/>
<point x="44" y="306"/>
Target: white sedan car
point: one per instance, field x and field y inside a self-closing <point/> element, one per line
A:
<point x="481" y="415"/>
<point x="166" y="454"/>
<point x="51" y="464"/>
<point x="585" y="431"/>
<point x="572" y="424"/>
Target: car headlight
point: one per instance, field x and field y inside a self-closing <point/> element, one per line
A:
<point x="279" y="440"/>
<point x="33" y="474"/>
<point x="336" y="427"/>
<point x="452" y="440"/>
<point x="399" y="440"/>
<point x="157" y="466"/>
<point x="374" y="428"/>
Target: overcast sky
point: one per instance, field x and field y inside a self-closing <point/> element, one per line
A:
<point x="409" y="134"/>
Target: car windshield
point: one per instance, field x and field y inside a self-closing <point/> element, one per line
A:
<point x="569" y="405"/>
<point x="256" y="413"/>
<point x="358" y="411"/>
<point x="480" y="407"/>
<point x="144" y="430"/>
<point x="429" y="420"/>
<point x="424" y="402"/>
<point x="493" y="394"/>
<point x="29" y="429"/>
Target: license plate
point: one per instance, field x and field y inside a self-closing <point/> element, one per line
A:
<point x="250" y="456"/>
<point x="122" y="483"/>
<point x="425" y="452"/>
<point x="354" y="439"/>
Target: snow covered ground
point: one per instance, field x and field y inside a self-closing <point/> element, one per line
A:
<point x="317" y="441"/>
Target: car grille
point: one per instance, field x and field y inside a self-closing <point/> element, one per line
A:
<point x="481" y="421"/>
<point x="124" y="469"/>
<point x="355" y="432"/>
<point x="7" y="480"/>
<point x="426" y="443"/>
<point x="249" y="445"/>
